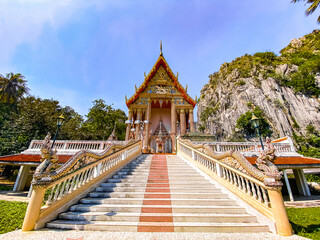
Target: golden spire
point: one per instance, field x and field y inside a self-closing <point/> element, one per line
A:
<point x="160" y="47"/>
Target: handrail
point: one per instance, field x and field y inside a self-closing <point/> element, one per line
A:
<point x="249" y="147"/>
<point x="72" y="180"/>
<point x="232" y="170"/>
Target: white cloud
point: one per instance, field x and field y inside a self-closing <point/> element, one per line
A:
<point x="23" y="22"/>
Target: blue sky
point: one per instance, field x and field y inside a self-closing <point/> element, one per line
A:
<point x="76" y="51"/>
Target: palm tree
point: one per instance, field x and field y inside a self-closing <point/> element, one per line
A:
<point x="314" y="5"/>
<point x="12" y="87"/>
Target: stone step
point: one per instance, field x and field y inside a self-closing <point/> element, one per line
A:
<point x="156" y="189"/>
<point x="151" y="184"/>
<point x="177" y="217"/>
<point x="158" y="195"/>
<point x="114" y="208"/>
<point x="155" y="201"/>
<point x="177" y="226"/>
<point x="216" y="195"/>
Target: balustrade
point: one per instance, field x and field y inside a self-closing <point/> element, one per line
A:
<point x="53" y="196"/>
<point x="247" y="147"/>
<point x="266" y="200"/>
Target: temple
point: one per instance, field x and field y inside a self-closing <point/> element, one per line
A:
<point x="159" y="110"/>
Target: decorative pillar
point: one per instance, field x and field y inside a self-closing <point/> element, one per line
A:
<point x="173" y="126"/>
<point x="173" y="117"/>
<point x="137" y="123"/>
<point x="288" y="185"/>
<point x="301" y="181"/>
<point x="128" y="122"/>
<point x="22" y="178"/>
<point x="191" y="120"/>
<point x="283" y="226"/>
<point x="148" y="118"/>
<point x="183" y="121"/>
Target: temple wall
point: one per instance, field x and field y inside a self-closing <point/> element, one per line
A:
<point x="156" y="114"/>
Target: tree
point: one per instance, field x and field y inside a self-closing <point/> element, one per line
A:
<point x="314" y="5"/>
<point x="246" y="128"/>
<point x="101" y="120"/>
<point x="12" y="87"/>
<point x="33" y="118"/>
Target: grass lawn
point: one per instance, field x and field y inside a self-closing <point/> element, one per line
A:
<point x="11" y="215"/>
<point x="305" y="221"/>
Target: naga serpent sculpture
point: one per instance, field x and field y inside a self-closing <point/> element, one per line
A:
<point x="268" y="173"/>
<point x="43" y="174"/>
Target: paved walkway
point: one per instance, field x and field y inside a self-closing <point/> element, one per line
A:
<point x="94" y="235"/>
<point x="14" y="196"/>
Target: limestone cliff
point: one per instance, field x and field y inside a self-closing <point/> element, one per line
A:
<point x="285" y="87"/>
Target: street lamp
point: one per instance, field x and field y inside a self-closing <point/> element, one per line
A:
<point x="256" y="124"/>
<point x="60" y="121"/>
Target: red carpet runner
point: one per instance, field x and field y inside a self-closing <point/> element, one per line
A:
<point x="157" y="188"/>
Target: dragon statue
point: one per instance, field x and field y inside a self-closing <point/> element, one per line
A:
<point x="49" y="160"/>
<point x="49" y="171"/>
<point x="265" y="162"/>
<point x="265" y="171"/>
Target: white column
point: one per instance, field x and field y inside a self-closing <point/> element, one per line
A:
<point x="301" y="182"/>
<point x="288" y="185"/>
<point x="22" y="178"/>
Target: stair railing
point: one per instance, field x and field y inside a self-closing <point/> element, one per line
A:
<point x="260" y="189"/>
<point x="54" y="191"/>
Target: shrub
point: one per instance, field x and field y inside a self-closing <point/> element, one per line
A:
<point x="245" y="126"/>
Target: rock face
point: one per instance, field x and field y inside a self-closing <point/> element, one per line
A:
<point x="250" y="81"/>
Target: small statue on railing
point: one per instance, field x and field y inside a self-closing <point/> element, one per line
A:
<point x="265" y="162"/>
<point x="49" y="159"/>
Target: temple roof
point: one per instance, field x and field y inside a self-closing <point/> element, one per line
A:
<point x="161" y="62"/>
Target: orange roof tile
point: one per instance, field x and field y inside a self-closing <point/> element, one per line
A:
<point x="290" y="160"/>
<point x="31" y="158"/>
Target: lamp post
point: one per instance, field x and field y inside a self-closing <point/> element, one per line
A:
<point x="60" y="121"/>
<point x="256" y="124"/>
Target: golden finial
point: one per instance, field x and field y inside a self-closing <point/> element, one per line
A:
<point x="126" y="98"/>
<point x="135" y="86"/>
<point x="177" y="74"/>
<point x="196" y="99"/>
<point x="145" y="75"/>
<point x="186" y="87"/>
<point x="161" y="47"/>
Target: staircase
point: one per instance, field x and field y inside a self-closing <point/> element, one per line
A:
<point x="158" y="193"/>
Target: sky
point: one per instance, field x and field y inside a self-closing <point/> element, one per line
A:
<point x="76" y="51"/>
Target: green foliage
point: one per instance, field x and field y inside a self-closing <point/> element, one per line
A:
<point x="241" y="83"/>
<point x="101" y="121"/>
<point x="295" y="124"/>
<point x="265" y="58"/>
<point x="246" y="128"/>
<point x="12" y="215"/>
<point x="277" y="103"/>
<point x="249" y="104"/>
<point x="25" y="118"/>
<point x="208" y="112"/>
<point x="12" y="87"/>
<point x="305" y="221"/>
<point x="306" y="57"/>
<point x="312" y="177"/>
<point x="308" y="145"/>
